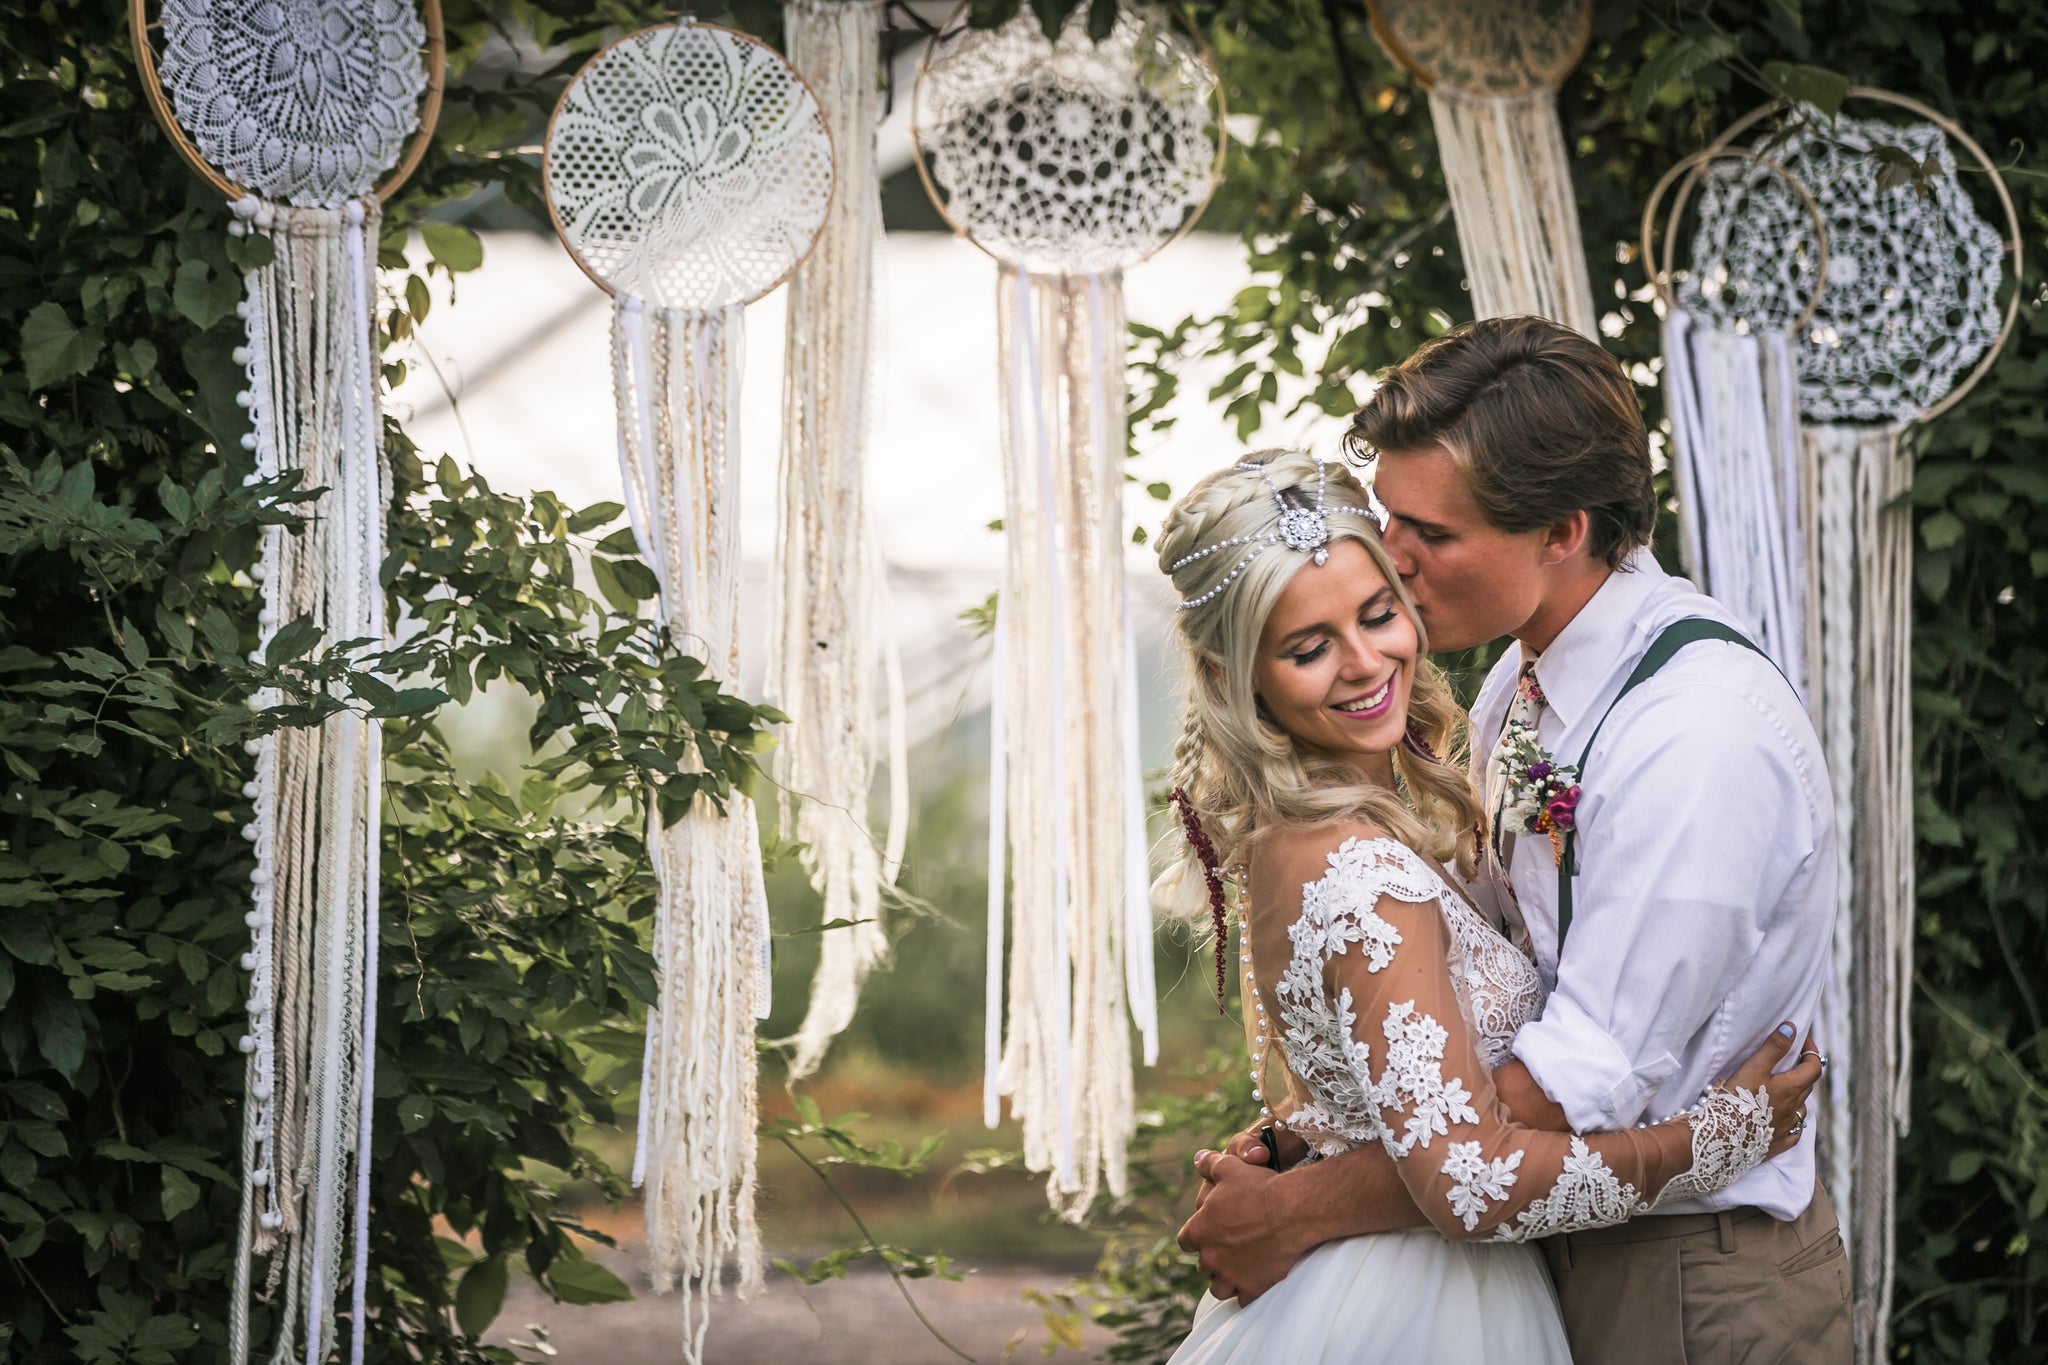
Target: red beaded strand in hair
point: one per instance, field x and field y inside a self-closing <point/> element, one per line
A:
<point x="1212" y="872"/>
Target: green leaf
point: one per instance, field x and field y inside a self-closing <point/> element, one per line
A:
<point x="221" y="636"/>
<point x="481" y="1295"/>
<point x="636" y="579"/>
<point x="181" y="1192"/>
<point x="252" y="252"/>
<point x="1963" y="1165"/>
<point x="1941" y="530"/>
<point x="53" y="349"/>
<point x="410" y="701"/>
<point x="581" y="1280"/>
<point x="192" y="293"/>
<point x="595" y="515"/>
<point x="293" y="640"/>
<point x="60" y="1034"/>
<point x="453" y="245"/>
<point x="1815" y="85"/>
<point x="1680" y="60"/>
<point x="418" y="299"/>
<point x="606" y="572"/>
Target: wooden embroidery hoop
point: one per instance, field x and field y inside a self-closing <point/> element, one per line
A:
<point x="1401" y="43"/>
<point x="1660" y="272"/>
<point x="2013" y="240"/>
<point x="547" y="144"/>
<point x="957" y="23"/>
<point x="139" y="28"/>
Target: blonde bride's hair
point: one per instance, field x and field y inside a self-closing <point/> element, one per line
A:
<point x="1243" y="774"/>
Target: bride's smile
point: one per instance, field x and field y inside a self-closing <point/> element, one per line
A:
<point x="1336" y="661"/>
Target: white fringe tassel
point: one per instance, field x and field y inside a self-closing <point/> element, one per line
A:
<point x="1063" y="709"/>
<point x="1733" y="400"/>
<point x="823" y="653"/>
<point x="313" y="397"/>
<point x="1510" y="182"/>
<point x="1864" y="568"/>
<point x="676" y="378"/>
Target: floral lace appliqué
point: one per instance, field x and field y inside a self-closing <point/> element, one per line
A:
<point x="1731" y="1132"/>
<point x="1497" y="986"/>
<point x="1414" y="1080"/>
<point x="1477" y="1183"/>
<point x="1587" y="1194"/>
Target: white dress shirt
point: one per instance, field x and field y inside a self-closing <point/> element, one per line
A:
<point x="1704" y="906"/>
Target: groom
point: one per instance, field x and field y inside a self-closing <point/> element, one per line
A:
<point x="1514" y="468"/>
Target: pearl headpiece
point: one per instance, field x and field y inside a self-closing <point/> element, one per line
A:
<point x="1306" y="529"/>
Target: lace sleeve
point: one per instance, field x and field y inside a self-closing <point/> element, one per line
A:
<point x="1373" y="959"/>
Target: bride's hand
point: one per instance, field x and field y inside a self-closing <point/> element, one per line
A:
<point x="1788" y="1090"/>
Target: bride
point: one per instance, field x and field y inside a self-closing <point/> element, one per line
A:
<point x="1319" y="761"/>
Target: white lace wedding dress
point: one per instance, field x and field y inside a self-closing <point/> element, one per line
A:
<point x="1381" y="951"/>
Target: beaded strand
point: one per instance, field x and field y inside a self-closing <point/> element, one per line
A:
<point x="1212" y="873"/>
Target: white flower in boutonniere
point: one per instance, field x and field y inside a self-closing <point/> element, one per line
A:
<point x="1542" y="794"/>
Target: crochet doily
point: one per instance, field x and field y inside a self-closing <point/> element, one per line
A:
<point x="1486" y="47"/>
<point x="1911" y="292"/>
<point x="689" y="166"/>
<point x="1070" y="157"/>
<point x="303" y="101"/>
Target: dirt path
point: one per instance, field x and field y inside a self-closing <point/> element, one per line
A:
<point x="860" y="1320"/>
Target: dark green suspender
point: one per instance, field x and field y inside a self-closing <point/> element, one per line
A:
<point x="1673" y="638"/>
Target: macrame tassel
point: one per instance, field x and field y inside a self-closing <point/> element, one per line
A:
<point x="823" y="659"/>
<point x="1065" y="711"/>
<point x="675" y="376"/>
<point x="1865" y="568"/>
<point x="1510" y="184"/>
<point x="314" y="405"/>
<point x="1733" y="401"/>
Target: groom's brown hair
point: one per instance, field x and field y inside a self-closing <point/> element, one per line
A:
<point x="1540" y="420"/>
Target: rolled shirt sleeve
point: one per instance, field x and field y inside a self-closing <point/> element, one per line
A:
<point x="1674" y="883"/>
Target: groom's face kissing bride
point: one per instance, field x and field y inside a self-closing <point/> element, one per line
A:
<point x="1672" y="927"/>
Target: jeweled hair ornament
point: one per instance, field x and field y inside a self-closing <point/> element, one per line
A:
<point x="1306" y="529"/>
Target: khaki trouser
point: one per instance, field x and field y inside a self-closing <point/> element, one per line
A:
<point x="1734" y="1288"/>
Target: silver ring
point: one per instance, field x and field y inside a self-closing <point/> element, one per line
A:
<point x="1796" y="1129"/>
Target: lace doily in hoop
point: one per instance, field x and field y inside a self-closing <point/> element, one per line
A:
<point x="688" y="166"/>
<point x="303" y="101"/>
<point x="1070" y="157"/>
<point x="1912" y="275"/>
<point x="1485" y="47"/>
<point x="1744" y="197"/>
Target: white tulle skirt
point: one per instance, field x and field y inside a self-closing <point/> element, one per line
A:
<point x="1410" y="1298"/>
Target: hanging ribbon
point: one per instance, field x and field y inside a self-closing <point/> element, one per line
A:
<point x="830" y="586"/>
<point x="1492" y="71"/>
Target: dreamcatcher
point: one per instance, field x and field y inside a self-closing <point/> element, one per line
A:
<point x="1731" y="391"/>
<point x="830" y="591"/>
<point x="293" y="111"/>
<point x="1492" y="68"/>
<point x="688" y="171"/>
<point x="1068" y="162"/>
<point x="1912" y="274"/>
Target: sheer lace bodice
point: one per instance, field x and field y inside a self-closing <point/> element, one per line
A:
<point x="1396" y="1002"/>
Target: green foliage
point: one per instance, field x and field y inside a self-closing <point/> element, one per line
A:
<point x="514" y="967"/>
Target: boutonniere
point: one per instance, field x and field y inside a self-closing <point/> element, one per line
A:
<point x="1542" y="794"/>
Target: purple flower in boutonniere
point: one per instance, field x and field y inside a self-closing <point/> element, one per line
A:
<point x="1542" y="795"/>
